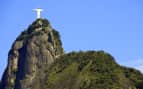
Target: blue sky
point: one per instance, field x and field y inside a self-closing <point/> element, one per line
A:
<point x="115" y="26"/>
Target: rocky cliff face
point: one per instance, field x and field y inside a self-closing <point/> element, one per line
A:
<point x="32" y="52"/>
<point x="36" y="60"/>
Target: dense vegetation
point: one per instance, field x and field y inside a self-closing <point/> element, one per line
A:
<point x="91" y="70"/>
<point x="41" y="24"/>
<point x="134" y="76"/>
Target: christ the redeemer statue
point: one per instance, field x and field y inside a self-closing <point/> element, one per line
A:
<point x="38" y="12"/>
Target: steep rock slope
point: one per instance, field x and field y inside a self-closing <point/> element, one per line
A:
<point x="31" y="53"/>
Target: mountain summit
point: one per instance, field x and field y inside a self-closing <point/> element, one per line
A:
<point x="37" y="60"/>
<point x="35" y="49"/>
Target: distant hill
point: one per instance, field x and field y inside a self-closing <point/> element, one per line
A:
<point x="37" y="60"/>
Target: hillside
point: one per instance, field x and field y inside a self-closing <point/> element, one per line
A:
<point x="91" y="70"/>
<point x="37" y="60"/>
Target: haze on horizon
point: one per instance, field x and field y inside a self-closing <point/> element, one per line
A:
<point x="113" y="26"/>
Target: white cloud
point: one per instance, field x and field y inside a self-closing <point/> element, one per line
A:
<point x="137" y="64"/>
<point x="140" y="67"/>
